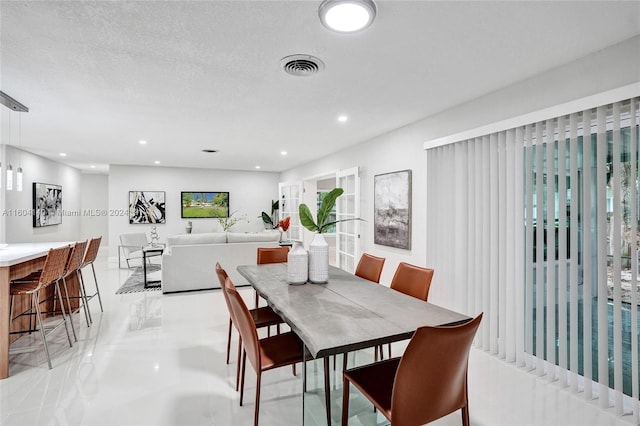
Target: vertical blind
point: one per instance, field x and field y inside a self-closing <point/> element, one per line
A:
<point x="537" y="226"/>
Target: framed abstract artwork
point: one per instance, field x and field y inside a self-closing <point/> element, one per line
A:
<point x="146" y="207"/>
<point x="47" y="204"/>
<point x="392" y="209"/>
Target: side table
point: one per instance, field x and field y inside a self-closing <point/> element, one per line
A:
<point x="148" y="252"/>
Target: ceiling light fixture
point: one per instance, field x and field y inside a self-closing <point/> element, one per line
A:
<point x="343" y="118"/>
<point x="142" y="142"/>
<point x="13" y="105"/>
<point x="257" y="167"/>
<point x="347" y="16"/>
<point x="156" y="162"/>
<point x="63" y="154"/>
<point x="283" y="152"/>
<point x="19" y="171"/>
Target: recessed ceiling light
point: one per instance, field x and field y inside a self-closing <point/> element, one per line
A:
<point x="157" y="162"/>
<point x="63" y="154"/>
<point x="93" y="166"/>
<point x="343" y="118"/>
<point x="257" y="167"/>
<point x="142" y="142"/>
<point x="283" y="152"/>
<point x="347" y="16"/>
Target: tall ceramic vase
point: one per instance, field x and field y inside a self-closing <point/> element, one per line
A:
<point x="318" y="260"/>
<point x="297" y="264"/>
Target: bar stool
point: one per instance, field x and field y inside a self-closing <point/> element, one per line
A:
<point x="89" y="257"/>
<point x="72" y="267"/>
<point x="51" y="274"/>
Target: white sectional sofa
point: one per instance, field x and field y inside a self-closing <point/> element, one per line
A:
<point x="189" y="260"/>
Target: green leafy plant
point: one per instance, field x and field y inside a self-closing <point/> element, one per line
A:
<point x="323" y="222"/>
<point x="271" y="220"/>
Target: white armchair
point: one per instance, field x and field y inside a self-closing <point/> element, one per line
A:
<point x="131" y="247"/>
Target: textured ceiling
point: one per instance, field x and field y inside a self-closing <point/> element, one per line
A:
<point x="192" y="75"/>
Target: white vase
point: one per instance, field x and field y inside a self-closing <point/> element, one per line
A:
<point x="318" y="260"/>
<point x="297" y="264"/>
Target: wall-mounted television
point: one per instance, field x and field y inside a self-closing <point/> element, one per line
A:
<point x="197" y="205"/>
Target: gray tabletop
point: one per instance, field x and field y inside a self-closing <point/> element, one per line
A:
<point x="345" y="314"/>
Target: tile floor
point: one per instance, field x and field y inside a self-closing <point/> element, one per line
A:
<point x="153" y="359"/>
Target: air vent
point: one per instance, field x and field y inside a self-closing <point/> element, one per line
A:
<point x="301" y="65"/>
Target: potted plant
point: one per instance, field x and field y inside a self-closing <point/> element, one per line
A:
<point x="271" y="220"/>
<point x="319" y="249"/>
<point x="227" y="222"/>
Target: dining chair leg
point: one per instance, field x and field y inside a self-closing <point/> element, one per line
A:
<point x="244" y="362"/>
<point x="238" y="362"/>
<point x="345" y="402"/>
<point x="229" y="340"/>
<point x="257" y="410"/>
<point x="344" y="361"/>
<point x="327" y="390"/>
<point x="465" y="415"/>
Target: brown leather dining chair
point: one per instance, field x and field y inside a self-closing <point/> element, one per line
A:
<point x="370" y="267"/>
<point x="264" y="354"/>
<point x="271" y="255"/>
<point x="413" y="281"/>
<point x="427" y="383"/>
<point x="262" y="317"/>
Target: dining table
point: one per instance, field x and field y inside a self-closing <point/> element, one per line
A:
<point x="17" y="260"/>
<point x="345" y="314"/>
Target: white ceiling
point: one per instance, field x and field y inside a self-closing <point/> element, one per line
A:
<point x="190" y="75"/>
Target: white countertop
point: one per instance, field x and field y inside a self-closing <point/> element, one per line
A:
<point x="15" y="253"/>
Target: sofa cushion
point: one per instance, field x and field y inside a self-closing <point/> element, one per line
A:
<point x="245" y="237"/>
<point x="188" y="239"/>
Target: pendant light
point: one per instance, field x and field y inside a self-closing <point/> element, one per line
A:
<point x="19" y="171"/>
<point x="13" y="105"/>
<point x="9" y="178"/>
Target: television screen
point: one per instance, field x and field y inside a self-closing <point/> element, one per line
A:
<point x="205" y="204"/>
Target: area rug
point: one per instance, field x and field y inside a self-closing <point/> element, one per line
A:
<point x="135" y="282"/>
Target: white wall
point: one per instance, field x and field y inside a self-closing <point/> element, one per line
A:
<point x="94" y="189"/>
<point x="402" y="149"/>
<point x="17" y="206"/>
<point x="250" y="193"/>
